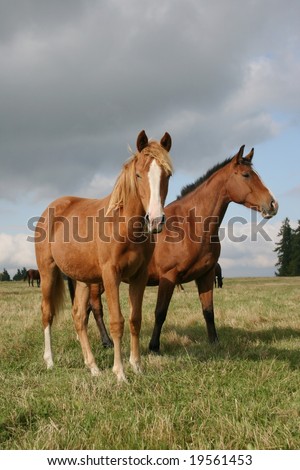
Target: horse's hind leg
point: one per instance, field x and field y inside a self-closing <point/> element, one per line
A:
<point x="165" y="292"/>
<point x="205" y="290"/>
<point x="96" y="290"/>
<point x="52" y="296"/>
<point x="79" y="313"/>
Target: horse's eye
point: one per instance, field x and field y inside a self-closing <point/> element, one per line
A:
<point x="138" y="176"/>
<point x="246" y="175"/>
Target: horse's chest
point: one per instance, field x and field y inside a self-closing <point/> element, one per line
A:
<point x="132" y="261"/>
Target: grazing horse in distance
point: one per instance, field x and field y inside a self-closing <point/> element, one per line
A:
<point x="108" y="240"/>
<point x="33" y="275"/>
<point x="189" y="247"/>
<point x="218" y="276"/>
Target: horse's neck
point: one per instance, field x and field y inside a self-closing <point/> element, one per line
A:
<point x="211" y="200"/>
<point x="133" y="208"/>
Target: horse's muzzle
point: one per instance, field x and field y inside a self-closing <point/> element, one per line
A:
<point x="269" y="212"/>
<point x="155" y="225"/>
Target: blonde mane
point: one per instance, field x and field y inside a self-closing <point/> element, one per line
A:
<point x="125" y="187"/>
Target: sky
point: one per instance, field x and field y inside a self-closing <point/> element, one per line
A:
<point x="79" y="79"/>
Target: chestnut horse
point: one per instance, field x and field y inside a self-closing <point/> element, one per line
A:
<point x="189" y="247"/>
<point x="116" y="247"/>
<point x="33" y="275"/>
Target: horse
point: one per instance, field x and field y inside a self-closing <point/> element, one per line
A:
<point x="117" y="246"/>
<point x="189" y="247"/>
<point x="218" y="276"/>
<point x="33" y="275"/>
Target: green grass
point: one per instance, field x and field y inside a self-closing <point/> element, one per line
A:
<point x="242" y="394"/>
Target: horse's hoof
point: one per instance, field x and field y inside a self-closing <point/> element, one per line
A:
<point x="107" y="344"/>
<point x="214" y="340"/>
<point x="136" y="367"/>
<point x="49" y="363"/>
<point x="154" y="348"/>
<point x="121" y="378"/>
<point x="95" y="371"/>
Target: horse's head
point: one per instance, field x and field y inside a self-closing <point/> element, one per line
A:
<point x="153" y="168"/>
<point x="245" y="187"/>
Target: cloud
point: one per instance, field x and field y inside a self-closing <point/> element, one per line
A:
<point x="293" y="192"/>
<point x="98" y="187"/>
<point x="80" y="79"/>
<point x="248" y="247"/>
<point x="16" y="252"/>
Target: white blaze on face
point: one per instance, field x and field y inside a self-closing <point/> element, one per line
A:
<point x="155" y="207"/>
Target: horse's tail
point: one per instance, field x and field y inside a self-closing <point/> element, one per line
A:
<point x="25" y="277"/>
<point x="71" y="286"/>
<point x="58" y="293"/>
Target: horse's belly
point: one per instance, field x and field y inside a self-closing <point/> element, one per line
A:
<point x="199" y="268"/>
<point x="77" y="262"/>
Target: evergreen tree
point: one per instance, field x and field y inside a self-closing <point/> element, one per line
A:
<point x="294" y="266"/>
<point x="284" y="249"/>
<point x="19" y="276"/>
<point x="4" y="276"/>
<point x="23" y="273"/>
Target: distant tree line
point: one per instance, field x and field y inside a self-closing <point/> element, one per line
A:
<point x="19" y="276"/>
<point x="288" y="250"/>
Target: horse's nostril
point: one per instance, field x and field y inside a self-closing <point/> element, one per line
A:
<point x="163" y="219"/>
<point x="147" y="217"/>
<point x="274" y="205"/>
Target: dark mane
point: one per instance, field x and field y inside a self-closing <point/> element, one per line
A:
<point x="190" y="187"/>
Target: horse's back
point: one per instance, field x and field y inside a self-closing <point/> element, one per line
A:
<point x="69" y="206"/>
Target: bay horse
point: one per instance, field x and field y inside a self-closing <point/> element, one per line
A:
<point x="116" y="246"/>
<point x="218" y="276"/>
<point x="33" y="275"/>
<point x="189" y="247"/>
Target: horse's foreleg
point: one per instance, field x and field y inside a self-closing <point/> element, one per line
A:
<point x="111" y="281"/>
<point x="205" y="290"/>
<point x="96" y="290"/>
<point x="79" y="312"/>
<point x="136" y="293"/>
<point x="165" y="292"/>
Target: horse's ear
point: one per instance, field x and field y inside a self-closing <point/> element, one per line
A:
<point x="166" y="142"/>
<point x="249" y="156"/>
<point x="238" y="158"/>
<point x="142" y="141"/>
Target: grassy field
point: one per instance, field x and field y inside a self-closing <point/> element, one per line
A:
<point x="241" y="394"/>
